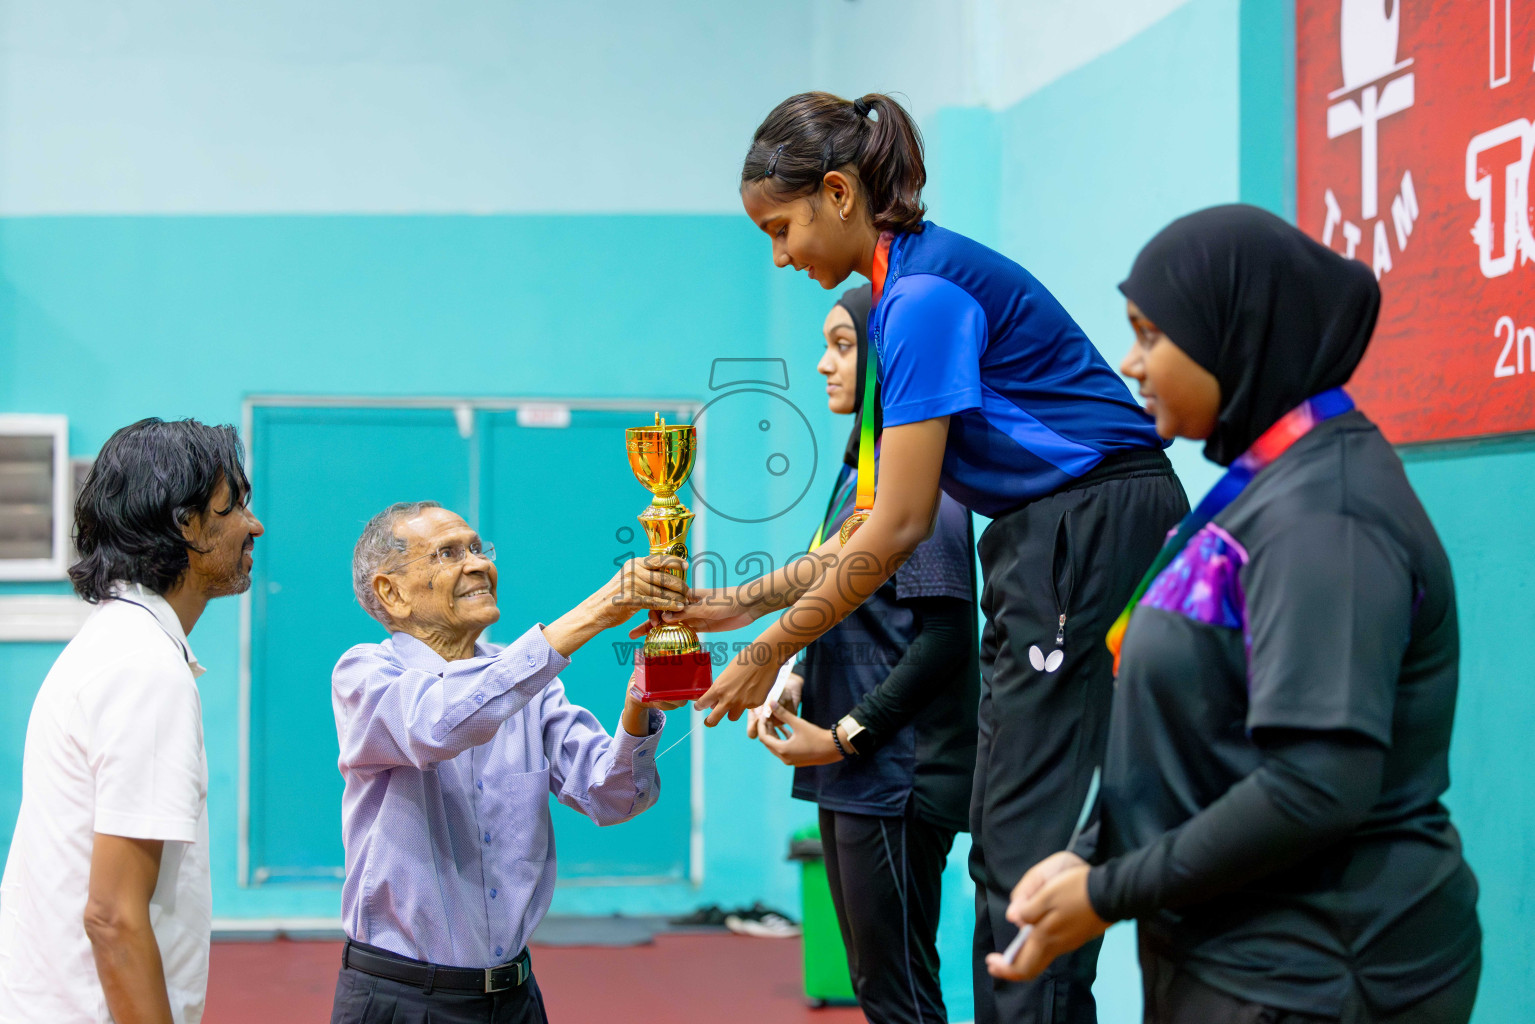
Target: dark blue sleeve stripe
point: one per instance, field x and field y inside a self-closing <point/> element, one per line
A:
<point x="1066" y="455"/>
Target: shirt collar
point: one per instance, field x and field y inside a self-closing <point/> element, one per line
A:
<point x="416" y="653"/>
<point x="165" y="616"/>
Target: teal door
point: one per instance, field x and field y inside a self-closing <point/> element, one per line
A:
<point x="318" y="475"/>
<point x="558" y="502"/>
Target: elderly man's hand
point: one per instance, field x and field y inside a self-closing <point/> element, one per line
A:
<point x="659" y="705"/>
<point x="636" y="717"/>
<point x="653" y="582"/>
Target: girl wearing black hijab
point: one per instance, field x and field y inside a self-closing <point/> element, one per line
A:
<point x="901" y="676"/>
<point x="1279" y="744"/>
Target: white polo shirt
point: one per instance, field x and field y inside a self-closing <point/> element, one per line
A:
<point x="114" y="745"/>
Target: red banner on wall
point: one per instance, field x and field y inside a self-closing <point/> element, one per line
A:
<point x="1415" y="124"/>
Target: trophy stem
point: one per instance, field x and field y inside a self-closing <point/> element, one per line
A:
<point x="667" y="529"/>
<point x="667" y="526"/>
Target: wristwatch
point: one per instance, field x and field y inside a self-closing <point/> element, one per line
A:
<point x="851" y="729"/>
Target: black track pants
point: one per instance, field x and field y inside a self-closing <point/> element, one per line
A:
<point x="1078" y="553"/>
<point x="886" y="877"/>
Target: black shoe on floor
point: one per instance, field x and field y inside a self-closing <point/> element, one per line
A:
<point x="704" y="917"/>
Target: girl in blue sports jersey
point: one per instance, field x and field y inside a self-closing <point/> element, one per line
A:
<point x="993" y="395"/>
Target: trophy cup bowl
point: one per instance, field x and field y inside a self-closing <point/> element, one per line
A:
<point x="671" y="665"/>
<point x="662" y="458"/>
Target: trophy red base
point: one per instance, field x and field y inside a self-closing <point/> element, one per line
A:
<point x="673" y="676"/>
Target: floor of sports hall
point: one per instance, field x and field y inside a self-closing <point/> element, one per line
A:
<point x="673" y="978"/>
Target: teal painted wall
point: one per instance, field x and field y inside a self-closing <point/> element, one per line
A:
<point x="1072" y="180"/>
<point x="22" y="667"/>
<point x="1479" y="497"/>
<point x="1267" y="138"/>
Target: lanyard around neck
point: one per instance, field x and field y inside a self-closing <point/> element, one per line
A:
<point x="845" y="481"/>
<point x="863" y="502"/>
<point x="1276" y="440"/>
<point x="865" y="498"/>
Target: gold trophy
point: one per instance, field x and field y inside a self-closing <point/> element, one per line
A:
<point x="671" y="665"/>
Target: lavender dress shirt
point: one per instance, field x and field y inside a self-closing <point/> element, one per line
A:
<point x="448" y="769"/>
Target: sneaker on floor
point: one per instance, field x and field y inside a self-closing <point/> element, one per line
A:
<point x="704" y="917"/>
<point x="762" y="922"/>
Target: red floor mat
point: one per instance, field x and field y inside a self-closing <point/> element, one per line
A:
<point x="678" y="978"/>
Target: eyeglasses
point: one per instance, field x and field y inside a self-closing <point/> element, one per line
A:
<point x="452" y="554"/>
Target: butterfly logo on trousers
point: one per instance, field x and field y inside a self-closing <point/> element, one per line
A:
<point x="1043" y="662"/>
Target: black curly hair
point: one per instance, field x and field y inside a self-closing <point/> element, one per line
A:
<point x="151" y="479"/>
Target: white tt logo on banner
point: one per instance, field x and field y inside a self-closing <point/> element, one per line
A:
<point x="1506" y="148"/>
<point x="1375" y="86"/>
<point x="1503" y="152"/>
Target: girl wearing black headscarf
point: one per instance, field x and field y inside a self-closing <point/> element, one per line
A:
<point x="901" y="676"/>
<point x="1279" y="744"/>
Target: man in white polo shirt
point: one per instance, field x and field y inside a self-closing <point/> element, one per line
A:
<point x="105" y="907"/>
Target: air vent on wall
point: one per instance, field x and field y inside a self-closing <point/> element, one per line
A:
<point x="34" y="497"/>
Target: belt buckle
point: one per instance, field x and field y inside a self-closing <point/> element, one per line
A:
<point x="522" y="976"/>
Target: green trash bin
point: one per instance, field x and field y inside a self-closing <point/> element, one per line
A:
<point x="827" y="982"/>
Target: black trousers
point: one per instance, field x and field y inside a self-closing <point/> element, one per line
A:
<point x="1077" y="553"/>
<point x="886" y="880"/>
<point x="1173" y="996"/>
<point x="364" y="999"/>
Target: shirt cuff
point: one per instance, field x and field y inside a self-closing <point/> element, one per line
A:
<point x="530" y="663"/>
<point x="631" y="750"/>
<point x="1100" y="886"/>
<point x="535" y="639"/>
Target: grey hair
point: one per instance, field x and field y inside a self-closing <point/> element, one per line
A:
<point x="377" y="546"/>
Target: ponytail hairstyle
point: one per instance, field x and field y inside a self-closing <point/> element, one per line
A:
<point x="815" y="132"/>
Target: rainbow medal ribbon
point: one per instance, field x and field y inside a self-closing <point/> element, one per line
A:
<point x="1276" y="440"/>
<point x="863" y="503"/>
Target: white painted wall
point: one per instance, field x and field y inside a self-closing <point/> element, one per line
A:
<point x="475" y="106"/>
<point x="991" y="53"/>
<point x="386" y="106"/>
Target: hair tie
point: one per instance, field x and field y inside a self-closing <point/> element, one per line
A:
<point x="861" y="108"/>
<point x="773" y="162"/>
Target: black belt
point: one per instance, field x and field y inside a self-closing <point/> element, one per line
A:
<point x="383" y="964"/>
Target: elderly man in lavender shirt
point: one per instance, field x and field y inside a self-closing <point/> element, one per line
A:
<point x="450" y="749"/>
